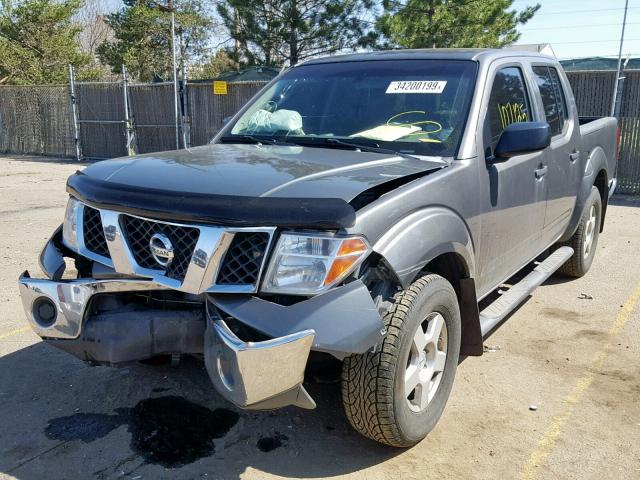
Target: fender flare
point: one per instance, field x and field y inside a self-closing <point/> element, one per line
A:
<point x="417" y="239"/>
<point x="596" y="162"/>
<point x="422" y="236"/>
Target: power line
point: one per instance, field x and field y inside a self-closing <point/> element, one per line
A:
<point x="613" y="55"/>
<point x="562" y="27"/>
<point x="590" y="41"/>
<point x="399" y="6"/>
<point x="566" y="12"/>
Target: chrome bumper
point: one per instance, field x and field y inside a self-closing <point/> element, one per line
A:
<point x="56" y="309"/>
<point x="258" y="375"/>
<point x="255" y="375"/>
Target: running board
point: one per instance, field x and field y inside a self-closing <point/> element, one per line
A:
<point x="512" y="298"/>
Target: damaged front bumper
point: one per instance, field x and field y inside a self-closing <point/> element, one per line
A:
<point x="262" y="374"/>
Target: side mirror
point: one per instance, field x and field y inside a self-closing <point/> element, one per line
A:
<point x="226" y="120"/>
<point x="523" y="137"/>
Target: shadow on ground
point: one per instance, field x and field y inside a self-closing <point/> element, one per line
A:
<point x="41" y="159"/>
<point x="63" y="419"/>
<point x="625" y="200"/>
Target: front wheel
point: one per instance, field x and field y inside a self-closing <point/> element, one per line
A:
<point x="397" y="394"/>
<point x="585" y="240"/>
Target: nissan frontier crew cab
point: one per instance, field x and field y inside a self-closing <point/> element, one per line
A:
<point x="359" y="207"/>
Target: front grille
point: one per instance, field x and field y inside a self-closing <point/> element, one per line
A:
<point x="138" y="233"/>
<point x="93" y="232"/>
<point x="243" y="260"/>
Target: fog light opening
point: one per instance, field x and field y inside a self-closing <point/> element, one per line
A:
<point x="44" y="312"/>
<point x="224" y="372"/>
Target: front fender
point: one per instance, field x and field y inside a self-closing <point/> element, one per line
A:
<point x="422" y="236"/>
<point x="596" y="162"/>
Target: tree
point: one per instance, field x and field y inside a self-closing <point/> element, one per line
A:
<point x="218" y="63"/>
<point x="273" y="32"/>
<point x="142" y="37"/>
<point x="38" y="42"/>
<point x="451" y="23"/>
<point x="95" y="31"/>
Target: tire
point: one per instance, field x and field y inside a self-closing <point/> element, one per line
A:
<point x="373" y="383"/>
<point x="585" y="239"/>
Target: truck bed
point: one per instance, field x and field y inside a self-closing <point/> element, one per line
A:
<point x="600" y="131"/>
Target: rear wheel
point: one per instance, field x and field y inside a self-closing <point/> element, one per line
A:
<point x="397" y="394"/>
<point x="585" y="239"/>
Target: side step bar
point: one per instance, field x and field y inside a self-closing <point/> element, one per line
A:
<point x="512" y="298"/>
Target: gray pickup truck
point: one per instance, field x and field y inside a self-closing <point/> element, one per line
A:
<point x="358" y="208"/>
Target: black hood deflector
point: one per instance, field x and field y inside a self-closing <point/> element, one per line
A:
<point x="228" y="210"/>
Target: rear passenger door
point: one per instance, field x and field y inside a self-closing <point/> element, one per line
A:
<point x="562" y="157"/>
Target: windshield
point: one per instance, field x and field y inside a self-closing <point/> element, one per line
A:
<point x="411" y="106"/>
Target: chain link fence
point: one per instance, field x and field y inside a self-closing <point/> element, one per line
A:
<point x="593" y="92"/>
<point x="209" y="110"/>
<point x="38" y="119"/>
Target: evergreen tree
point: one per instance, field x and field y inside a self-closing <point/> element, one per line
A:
<point x="451" y="23"/>
<point x="142" y="37"/>
<point x="218" y="63"/>
<point x="273" y="32"/>
<point x="38" y="42"/>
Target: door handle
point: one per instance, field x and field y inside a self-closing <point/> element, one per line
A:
<point x="574" y="156"/>
<point x="541" y="172"/>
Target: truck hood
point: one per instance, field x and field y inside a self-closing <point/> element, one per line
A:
<point x="251" y="170"/>
<point x="247" y="185"/>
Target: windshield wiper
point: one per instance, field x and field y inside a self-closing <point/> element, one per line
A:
<point x="258" y="140"/>
<point x="374" y="148"/>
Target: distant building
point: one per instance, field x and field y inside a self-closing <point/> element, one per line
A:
<point x="599" y="63"/>
<point x="250" y="74"/>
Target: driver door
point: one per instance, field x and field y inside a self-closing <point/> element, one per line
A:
<point x="513" y="196"/>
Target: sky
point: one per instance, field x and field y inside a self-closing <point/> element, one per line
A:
<point x="583" y="28"/>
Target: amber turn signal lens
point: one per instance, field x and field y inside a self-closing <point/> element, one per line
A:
<point x="352" y="246"/>
<point x="339" y="267"/>
<point x="348" y="254"/>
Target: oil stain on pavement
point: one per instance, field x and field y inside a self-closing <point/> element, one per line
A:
<point x="170" y="431"/>
<point x="268" y="444"/>
<point x="86" y="427"/>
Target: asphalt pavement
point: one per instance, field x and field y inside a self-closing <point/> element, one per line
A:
<point x="555" y="396"/>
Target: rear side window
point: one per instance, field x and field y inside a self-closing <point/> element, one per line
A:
<point x="508" y="103"/>
<point x="553" y="99"/>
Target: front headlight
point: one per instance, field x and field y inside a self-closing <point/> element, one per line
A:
<point x="70" y="224"/>
<point x="306" y="264"/>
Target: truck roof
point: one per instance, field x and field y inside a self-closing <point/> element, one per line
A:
<point x="476" y="54"/>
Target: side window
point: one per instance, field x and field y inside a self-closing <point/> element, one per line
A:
<point x="560" y="98"/>
<point x="508" y="102"/>
<point x="553" y="100"/>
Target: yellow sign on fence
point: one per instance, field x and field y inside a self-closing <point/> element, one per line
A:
<point x="219" y="88"/>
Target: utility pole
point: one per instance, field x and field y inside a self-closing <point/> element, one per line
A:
<point x="74" y="113"/>
<point x="618" y="70"/>
<point x="128" y="128"/>
<point x="186" y="121"/>
<point x="175" y="73"/>
<point x="236" y="28"/>
<point x="170" y="7"/>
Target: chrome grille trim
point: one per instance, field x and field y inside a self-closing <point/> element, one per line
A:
<point x="203" y="268"/>
<point x="93" y="233"/>
<point x="138" y="232"/>
<point x="243" y="259"/>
